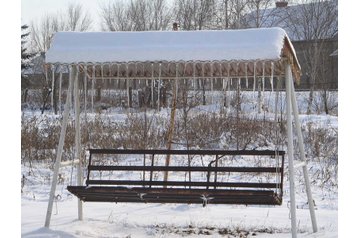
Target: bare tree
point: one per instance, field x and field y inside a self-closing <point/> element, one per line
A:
<point x="195" y="15"/>
<point x="76" y="19"/>
<point x="136" y="15"/>
<point x="237" y="8"/>
<point x="314" y="21"/>
<point x="229" y="14"/>
<point x="114" y="17"/>
<point x="184" y="14"/>
<point x="73" y="19"/>
<point x="161" y="15"/>
<point x="138" y="11"/>
<point x="259" y="12"/>
<point x="42" y="32"/>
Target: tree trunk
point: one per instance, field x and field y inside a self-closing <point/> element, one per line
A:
<point x="55" y="97"/>
<point x="130" y="94"/>
<point x="259" y="96"/>
<point x="98" y="94"/>
<point x="310" y="99"/>
<point x="238" y="95"/>
<point x="325" y="101"/>
<point x="224" y="92"/>
<point x="226" y="16"/>
<point x="25" y="94"/>
<point x="203" y="82"/>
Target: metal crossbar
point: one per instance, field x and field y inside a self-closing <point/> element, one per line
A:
<point x="189" y="152"/>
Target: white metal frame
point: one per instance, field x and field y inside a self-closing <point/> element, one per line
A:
<point x="291" y="107"/>
<point x="292" y="115"/>
<point x="73" y="84"/>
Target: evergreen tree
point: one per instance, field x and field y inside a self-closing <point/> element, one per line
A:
<point x="25" y="61"/>
<point x="25" y="56"/>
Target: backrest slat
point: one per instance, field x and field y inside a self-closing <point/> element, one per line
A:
<point x="182" y="183"/>
<point x="188" y="152"/>
<point x="184" y="169"/>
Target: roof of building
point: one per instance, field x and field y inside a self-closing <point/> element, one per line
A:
<point x="311" y="21"/>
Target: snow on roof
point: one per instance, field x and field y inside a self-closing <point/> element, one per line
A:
<point x="171" y="46"/>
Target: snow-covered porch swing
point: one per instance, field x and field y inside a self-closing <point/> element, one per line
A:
<point x="176" y="55"/>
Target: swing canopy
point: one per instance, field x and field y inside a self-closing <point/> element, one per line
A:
<point x="209" y="53"/>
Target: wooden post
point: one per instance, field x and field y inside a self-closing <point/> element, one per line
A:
<point x="254" y="83"/>
<point x="203" y="82"/>
<point x="60" y="91"/>
<point x="85" y="89"/>
<point x="194" y="78"/>
<point x="246" y="77"/>
<point x="212" y="82"/>
<point x="127" y="84"/>
<point x="93" y="81"/>
<point x="52" y="88"/>
<point x="262" y="98"/>
<point x="172" y="124"/>
<point x="159" y="82"/>
<point x="152" y="87"/>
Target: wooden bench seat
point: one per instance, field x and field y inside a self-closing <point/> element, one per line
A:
<point x="207" y="191"/>
<point x="174" y="195"/>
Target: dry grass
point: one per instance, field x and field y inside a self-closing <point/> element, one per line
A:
<point x="140" y="130"/>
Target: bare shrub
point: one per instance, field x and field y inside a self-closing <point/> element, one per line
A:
<point x="212" y="130"/>
<point x="253" y="133"/>
<point x="197" y="129"/>
<point x="142" y="132"/>
<point x="38" y="139"/>
<point x="322" y="149"/>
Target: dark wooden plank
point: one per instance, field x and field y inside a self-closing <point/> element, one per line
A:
<point x="184" y="169"/>
<point x="180" y="183"/>
<point x="106" y="194"/>
<point x="177" y="191"/>
<point x="188" y="152"/>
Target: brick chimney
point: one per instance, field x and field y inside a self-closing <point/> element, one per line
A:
<point x="281" y="4"/>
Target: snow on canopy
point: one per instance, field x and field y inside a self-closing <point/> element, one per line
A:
<point x="249" y="45"/>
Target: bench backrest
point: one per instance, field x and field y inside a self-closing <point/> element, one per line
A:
<point x="208" y="169"/>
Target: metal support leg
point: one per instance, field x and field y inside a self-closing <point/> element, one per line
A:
<point x="78" y="138"/>
<point x="60" y="92"/>
<point x="303" y="158"/>
<point x="59" y="152"/>
<point x="288" y="78"/>
<point x="52" y="88"/>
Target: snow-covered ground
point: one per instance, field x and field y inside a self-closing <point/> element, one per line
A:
<point x="176" y="220"/>
<point x="166" y="220"/>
